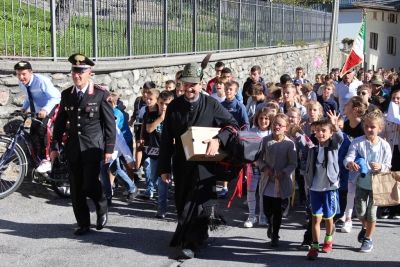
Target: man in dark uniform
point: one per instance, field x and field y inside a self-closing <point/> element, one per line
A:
<point x="91" y="138"/>
<point x="195" y="183"/>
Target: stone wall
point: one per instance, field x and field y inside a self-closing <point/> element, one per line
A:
<point x="126" y="77"/>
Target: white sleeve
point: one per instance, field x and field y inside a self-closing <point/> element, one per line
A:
<point x="122" y="147"/>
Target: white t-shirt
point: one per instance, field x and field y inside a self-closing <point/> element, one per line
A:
<point x="344" y="92"/>
<point x="220" y="99"/>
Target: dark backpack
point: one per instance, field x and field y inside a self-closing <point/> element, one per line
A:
<point x="244" y="146"/>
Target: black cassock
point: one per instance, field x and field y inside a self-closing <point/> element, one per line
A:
<point x="195" y="183"/>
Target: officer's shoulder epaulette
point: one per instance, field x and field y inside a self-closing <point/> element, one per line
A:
<point x="98" y="87"/>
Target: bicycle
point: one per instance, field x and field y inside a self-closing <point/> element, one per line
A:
<point x="14" y="164"/>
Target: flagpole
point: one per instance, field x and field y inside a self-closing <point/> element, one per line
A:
<point x="365" y="50"/>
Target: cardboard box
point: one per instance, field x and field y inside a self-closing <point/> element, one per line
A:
<point x="193" y="146"/>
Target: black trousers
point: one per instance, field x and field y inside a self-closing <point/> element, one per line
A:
<point x="273" y="212"/>
<point x="197" y="231"/>
<point x="84" y="181"/>
<point x="38" y="134"/>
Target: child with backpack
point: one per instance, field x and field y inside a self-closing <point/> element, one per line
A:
<point x="322" y="177"/>
<point x="262" y="123"/>
<point x="277" y="163"/>
<point x="238" y="111"/>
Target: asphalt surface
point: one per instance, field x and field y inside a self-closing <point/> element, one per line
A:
<point x="36" y="229"/>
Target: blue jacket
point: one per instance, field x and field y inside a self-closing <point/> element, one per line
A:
<point x="238" y="111"/>
<point x="123" y="125"/>
<point x="45" y="96"/>
<point x="344" y="172"/>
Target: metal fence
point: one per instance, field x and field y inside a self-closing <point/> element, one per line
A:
<point x="51" y="29"/>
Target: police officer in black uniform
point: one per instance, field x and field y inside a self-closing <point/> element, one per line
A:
<point x="91" y="138"/>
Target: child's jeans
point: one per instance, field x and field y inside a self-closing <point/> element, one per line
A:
<point x="147" y="172"/>
<point x="115" y="169"/>
<point x="162" y="187"/>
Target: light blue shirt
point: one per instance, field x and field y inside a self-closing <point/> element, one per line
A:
<point x="45" y="96"/>
<point x="373" y="154"/>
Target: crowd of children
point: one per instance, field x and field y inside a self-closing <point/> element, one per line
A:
<point x="313" y="134"/>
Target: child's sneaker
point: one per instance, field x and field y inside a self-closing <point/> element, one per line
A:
<point x="361" y="234"/>
<point x="348" y="225"/>
<point x="385" y="213"/>
<point x="366" y="245"/>
<point x="327" y="248"/>
<point x="224" y="193"/>
<point x="147" y="194"/>
<point x="262" y="220"/>
<point x="312" y="254"/>
<point x="250" y="221"/>
<point x="45" y="166"/>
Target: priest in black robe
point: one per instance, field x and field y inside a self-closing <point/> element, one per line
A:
<point x="195" y="182"/>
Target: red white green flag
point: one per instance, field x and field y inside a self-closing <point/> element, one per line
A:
<point x="356" y="55"/>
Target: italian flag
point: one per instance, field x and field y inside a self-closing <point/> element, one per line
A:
<point x="357" y="52"/>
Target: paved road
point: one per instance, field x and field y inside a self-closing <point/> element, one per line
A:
<point x="36" y="230"/>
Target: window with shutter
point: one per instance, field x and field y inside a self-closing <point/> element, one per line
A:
<point x="373" y="41"/>
<point x="391" y="45"/>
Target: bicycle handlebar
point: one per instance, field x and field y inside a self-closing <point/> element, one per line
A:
<point x="24" y="115"/>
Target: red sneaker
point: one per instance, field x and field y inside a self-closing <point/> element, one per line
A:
<point x="327" y="248"/>
<point x="312" y="254"/>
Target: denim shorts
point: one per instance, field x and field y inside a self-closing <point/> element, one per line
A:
<point x="324" y="203"/>
<point x="364" y="205"/>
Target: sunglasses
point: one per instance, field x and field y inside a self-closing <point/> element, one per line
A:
<point x="361" y="93"/>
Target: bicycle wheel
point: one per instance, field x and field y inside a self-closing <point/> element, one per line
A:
<point x="13" y="168"/>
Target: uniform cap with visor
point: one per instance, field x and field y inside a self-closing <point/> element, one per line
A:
<point x="80" y="63"/>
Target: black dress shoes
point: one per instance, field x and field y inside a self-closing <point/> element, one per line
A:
<point x="101" y="221"/>
<point x="188" y="251"/>
<point x="81" y="230"/>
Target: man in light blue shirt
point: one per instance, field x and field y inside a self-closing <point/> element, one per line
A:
<point x="42" y="98"/>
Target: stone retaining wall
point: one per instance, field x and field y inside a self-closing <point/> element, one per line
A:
<point x="127" y="83"/>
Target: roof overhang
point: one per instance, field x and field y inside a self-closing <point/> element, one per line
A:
<point x="393" y="6"/>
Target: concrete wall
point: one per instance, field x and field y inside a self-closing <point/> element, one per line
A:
<point x="380" y="57"/>
<point x="125" y="77"/>
<point x="349" y="23"/>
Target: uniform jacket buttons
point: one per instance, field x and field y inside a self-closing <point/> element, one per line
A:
<point x="78" y="125"/>
<point x="79" y="132"/>
<point x="79" y="109"/>
<point x="79" y="117"/>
